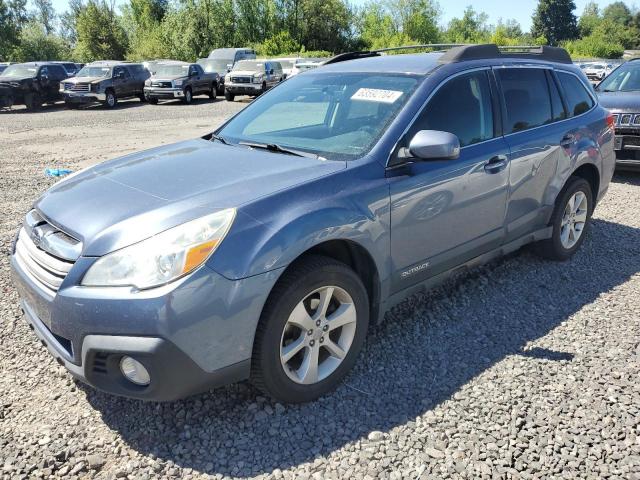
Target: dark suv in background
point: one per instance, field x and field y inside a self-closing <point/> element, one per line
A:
<point x="180" y="80"/>
<point x="265" y="249"/>
<point x="105" y="82"/>
<point x="620" y="94"/>
<point x="31" y="84"/>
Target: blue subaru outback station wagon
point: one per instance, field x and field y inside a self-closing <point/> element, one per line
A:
<point x="266" y="249"/>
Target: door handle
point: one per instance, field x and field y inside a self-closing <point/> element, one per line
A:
<point x="496" y="164"/>
<point x="568" y="140"/>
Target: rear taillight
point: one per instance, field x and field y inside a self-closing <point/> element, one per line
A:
<point x="611" y="121"/>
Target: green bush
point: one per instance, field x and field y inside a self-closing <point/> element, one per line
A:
<point x="594" y="46"/>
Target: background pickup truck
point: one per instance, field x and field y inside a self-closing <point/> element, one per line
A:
<point x="180" y="80"/>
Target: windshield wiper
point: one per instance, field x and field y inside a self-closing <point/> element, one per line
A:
<point x="221" y="139"/>
<point x="274" y="147"/>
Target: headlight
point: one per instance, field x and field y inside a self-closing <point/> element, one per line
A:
<point x="147" y="83"/>
<point x="163" y="257"/>
<point x="177" y="83"/>
<point x="257" y="78"/>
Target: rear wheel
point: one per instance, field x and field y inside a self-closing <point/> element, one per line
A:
<point x="213" y="92"/>
<point x="570" y="221"/>
<point x="311" y="330"/>
<point x="229" y="97"/>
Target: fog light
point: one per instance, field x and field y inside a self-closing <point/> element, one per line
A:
<point x="134" y="371"/>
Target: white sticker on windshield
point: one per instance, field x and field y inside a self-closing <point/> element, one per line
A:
<point x="376" y="95"/>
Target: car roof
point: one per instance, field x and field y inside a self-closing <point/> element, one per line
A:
<point x="110" y="63"/>
<point x="416" y="63"/>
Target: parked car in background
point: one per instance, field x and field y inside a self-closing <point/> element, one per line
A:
<point x="620" y="94"/>
<point x="307" y="64"/>
<point x="105" y="82"/>
<point x="180" y="80"/>
<point x="71" y="68"/>
<point x="252" y="77"/>
<point x="217" y="66"/>
<point x="31" y="84"/>
<point x="596" y="72"/>
<point x="232" y="55"/>
<point x="265" y="249"/>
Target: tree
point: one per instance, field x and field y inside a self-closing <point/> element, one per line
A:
<point x="326" y="25"/>
<point x="45" y="15"/>
<point x="471" y="28"/>
<point x="554" y="20"/>
<point x="13" y="15"/>
<point x="618" y="13"/>
<point x="37" y="44"/>
<point x="589" y="19"/>
<point x="100" y="35"/>
<point x="416" y="19"/>
<point x="68" y="22"/>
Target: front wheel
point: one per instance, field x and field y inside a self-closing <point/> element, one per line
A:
<point x="570" y="221"/>
<point x="213" y="92"/>
<point x="311" y="330"/>
<point x="110" y="100"/>
<point x="229" y="97"/>
<point x="33" y="101"/>
<point x="188" y="96"/>
<point x="152" y="100"/>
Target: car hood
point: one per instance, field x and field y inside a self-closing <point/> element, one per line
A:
<point x="123" y="201"/>
<point x="7" y="80"/>
<point x="167" y="78"/>
<point x="85" y="79"/>
<point x="620" y="101"/>
<point x="243" y="72"/>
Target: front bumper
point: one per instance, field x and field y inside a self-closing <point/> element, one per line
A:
<point x="627" y="146"/>
<point x="243" y="88"/>
<point x="157" y="92"/>
<point x="84" y="97"/>
<point x="192" y="335"/>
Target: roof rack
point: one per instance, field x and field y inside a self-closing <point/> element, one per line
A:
<point x="455" y="52"/>
<point x="489" y="51"/>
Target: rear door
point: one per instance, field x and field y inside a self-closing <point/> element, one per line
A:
<point x="535" y="132"/>
<point x="445" y="212"/>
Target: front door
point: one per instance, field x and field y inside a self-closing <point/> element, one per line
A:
<point x="445" y="212"/>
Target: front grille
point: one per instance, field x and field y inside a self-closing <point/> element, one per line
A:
<point x="240" y="79"/>
<point x="77" y="87"/>
<point x="161" y="84"/>
<point x="45" y="253"/>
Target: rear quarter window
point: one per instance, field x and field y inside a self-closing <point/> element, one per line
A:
<point x="578" y="99"/>
<point x="526" y="97"/>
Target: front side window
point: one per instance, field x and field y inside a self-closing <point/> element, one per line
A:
<point x="526" y="98"/>
<point x="462" y="107"/>
<point x="578" y="99"/>
<point x="334" y="115"/>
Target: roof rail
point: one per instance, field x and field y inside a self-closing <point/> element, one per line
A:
<point x="343" y="57"/>
<point x="489" y="51"/>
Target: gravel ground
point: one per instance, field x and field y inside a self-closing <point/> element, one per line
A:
<point x="522" y="369"/>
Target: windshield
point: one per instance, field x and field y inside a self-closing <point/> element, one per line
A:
<point x="286" y="63"/>
<point x="251" y="65"/>
<point x="94" y="72"/>
<point x="171" y="70"/>
<point x="338" y="116"/>
<point x="214" y="66"/>
<point x="624" y="79"/>
<point x="20" y="71"/>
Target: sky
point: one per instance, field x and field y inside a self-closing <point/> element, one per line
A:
<point x="520" y="10"/>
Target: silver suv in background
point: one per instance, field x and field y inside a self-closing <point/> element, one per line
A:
<point x="180" y="80"/>
<point x="105" y="82"/>
<point x="252" y="77"/>
<point x="217" y="66"/>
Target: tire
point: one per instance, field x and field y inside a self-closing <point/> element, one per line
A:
<point x="300" y="290"/>
<point x="213" y="92"/>
<point x="152" y="101"/>
<point x="188" y="95"/>
<point x="566" y="221"/>
<point x="70" y="105"/>
<point x="33" y="101"/>
<point x="142" y="98"/>
<point x="221" y="89"/>
<point x="229" y="97"/>
<point x="112" y="100"/>
<point x="264" y="88"/>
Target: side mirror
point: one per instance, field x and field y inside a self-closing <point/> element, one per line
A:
<point x="434" y="145"/>
<point x="271" y="72"/>
<point x="229" y="67"/>
<point x="193" y="74"/>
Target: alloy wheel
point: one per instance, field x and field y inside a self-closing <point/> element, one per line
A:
<point x="574" y="219"/>
<point x="318" y="335"/>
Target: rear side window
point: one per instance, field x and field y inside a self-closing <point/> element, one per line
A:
<point x="462" y="107"/>
<point x="578" y="99"/>
<point x="526" y="98"/>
